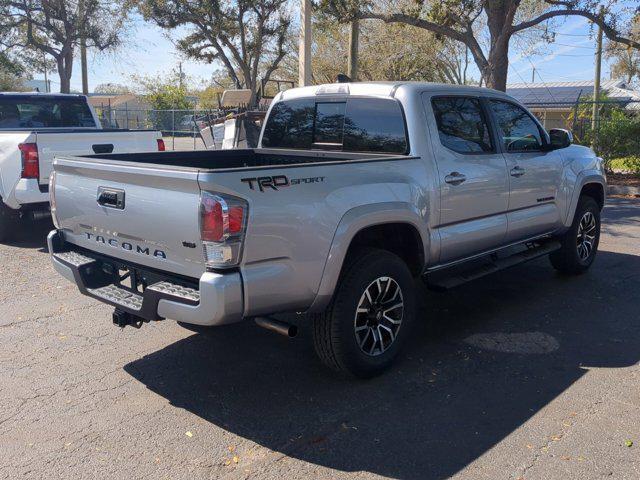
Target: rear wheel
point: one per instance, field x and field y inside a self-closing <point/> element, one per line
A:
<point x="365" y="326"/>
<point x="580" y="242"/>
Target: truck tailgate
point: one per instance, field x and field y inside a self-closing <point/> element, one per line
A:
<point x="88" y="142"/>
<point x="134" y="213"/>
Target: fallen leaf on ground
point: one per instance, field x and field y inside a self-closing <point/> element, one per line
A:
<point x="189" y="434"/>
<point x="628" y="443"/>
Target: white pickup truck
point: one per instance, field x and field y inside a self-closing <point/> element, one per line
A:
<point x="36" y="127"/>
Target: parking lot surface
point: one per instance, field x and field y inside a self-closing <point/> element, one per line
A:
<point x="523" y="374"/>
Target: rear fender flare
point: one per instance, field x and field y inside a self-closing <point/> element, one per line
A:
<point x="352" y="222"/>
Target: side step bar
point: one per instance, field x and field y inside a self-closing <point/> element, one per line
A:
<point x="440" y="281"/>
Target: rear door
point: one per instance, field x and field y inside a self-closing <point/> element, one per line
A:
<point x="535" y="173"/>
<point x="474" y="187"/>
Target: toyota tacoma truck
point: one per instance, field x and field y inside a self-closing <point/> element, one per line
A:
<point x="354" y="191"/>
<point x="34" y="127"/>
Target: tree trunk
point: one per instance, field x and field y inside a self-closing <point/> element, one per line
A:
<point x="500" y="14"/>
<point x="65" y="69"/>
<point x="495" y="74"/>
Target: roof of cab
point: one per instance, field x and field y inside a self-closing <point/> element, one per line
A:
<point x="40" y="94"/>
<point x="384" y="89"/>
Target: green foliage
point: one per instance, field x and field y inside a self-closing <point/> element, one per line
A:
<point x="112" y="88"/>
<point x="626" y="164"/>
<point x="165" y="93"/>
<point x="618" y="134"/>
<point x="10" y="82"/>
<point x="208" y="98"/>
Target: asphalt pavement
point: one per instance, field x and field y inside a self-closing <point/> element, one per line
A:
<point x="521" y="375"/>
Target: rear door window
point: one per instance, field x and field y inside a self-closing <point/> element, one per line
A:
<point x="31" y="111"/>
<point x="353" y="125"/>
<point x="462" y="126"/>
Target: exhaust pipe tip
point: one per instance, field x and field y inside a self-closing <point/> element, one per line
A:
<point x="277" y="326"/>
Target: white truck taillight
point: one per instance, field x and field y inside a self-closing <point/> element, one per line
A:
<point x="30" y="161"/>
<point x="52" y="199"/>
<point x="223" y="221"/>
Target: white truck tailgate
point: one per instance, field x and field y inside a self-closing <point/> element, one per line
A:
<point x="88" y="142"/>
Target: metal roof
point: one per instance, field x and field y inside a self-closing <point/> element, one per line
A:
<point x="555" y="93"/>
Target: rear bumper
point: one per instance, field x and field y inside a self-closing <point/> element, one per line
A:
<point x="216" y="299"/>
<point x="27" y="192"/>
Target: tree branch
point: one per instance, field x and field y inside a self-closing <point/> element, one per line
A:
<point x="608" y="30"/>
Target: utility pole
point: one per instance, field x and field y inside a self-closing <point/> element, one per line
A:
<point x="354" y="37"/>
<point x="46" y="80"/>
<point x="180" y="75"/>
<point x="83" y="48"/>
<point x="595" y="124"/>
<point x="533" y="75"/>
<point x="304" y="65"/>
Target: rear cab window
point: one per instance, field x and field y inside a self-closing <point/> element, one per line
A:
<point x="374" y="125"/>
<point x="462" y="125"/>
<point x="33" y="111"/>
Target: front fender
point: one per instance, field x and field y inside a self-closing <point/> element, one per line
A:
<point x="352" y="222"/>
<point x="585" y="177"/>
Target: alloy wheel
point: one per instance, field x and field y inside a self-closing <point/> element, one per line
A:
<point x="586" y="235"/>
<point x="379" y="316"/>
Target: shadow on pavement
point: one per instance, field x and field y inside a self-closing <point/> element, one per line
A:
<point x="443" y="405"/>
<point x="30" y="234"/>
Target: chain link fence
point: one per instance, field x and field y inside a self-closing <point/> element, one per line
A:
<point x="180" y="128"/>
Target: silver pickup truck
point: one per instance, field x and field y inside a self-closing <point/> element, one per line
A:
<point x="356" y="189"/>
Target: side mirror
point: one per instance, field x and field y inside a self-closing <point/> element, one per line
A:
<point x="560" y="138"/>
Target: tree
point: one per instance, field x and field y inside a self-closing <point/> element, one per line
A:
<point x="56" y="27"/>
<point x="246" y="36"/>
<point x="386" y="52"/>
<point x="626" y="60"/>
<point x="112" y="88"/>
<point x="167" y="92"/>
<point x="505" y="19"/>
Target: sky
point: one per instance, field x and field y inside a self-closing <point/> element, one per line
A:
<point x="148" y="51"/>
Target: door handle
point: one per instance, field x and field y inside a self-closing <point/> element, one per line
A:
<point x="455" y="178"/>
<point x="102" y="148"/>
<point x="517" y="171"/>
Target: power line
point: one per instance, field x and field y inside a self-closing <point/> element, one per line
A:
<point x="540" y="77"/>
<point x="527" y="86"/>
<point x="574" y="46"/>
<point x="569" y="34"/>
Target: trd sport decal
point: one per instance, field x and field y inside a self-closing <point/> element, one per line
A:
<point x="278" y="181"/>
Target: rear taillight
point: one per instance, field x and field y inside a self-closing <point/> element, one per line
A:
<point x="161" y="147"/>
<point x="52" y="199"/>
<point x="223" y="222"/>
<point x="30" y="163"/>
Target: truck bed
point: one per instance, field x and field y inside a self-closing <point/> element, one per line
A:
<point x="217" y="160"/>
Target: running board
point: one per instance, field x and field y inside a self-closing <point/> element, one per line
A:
<point x="440" y="281"/>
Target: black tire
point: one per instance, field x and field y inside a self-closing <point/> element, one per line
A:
<point x="334" y="330"/>
<point x="570" y="259"/>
